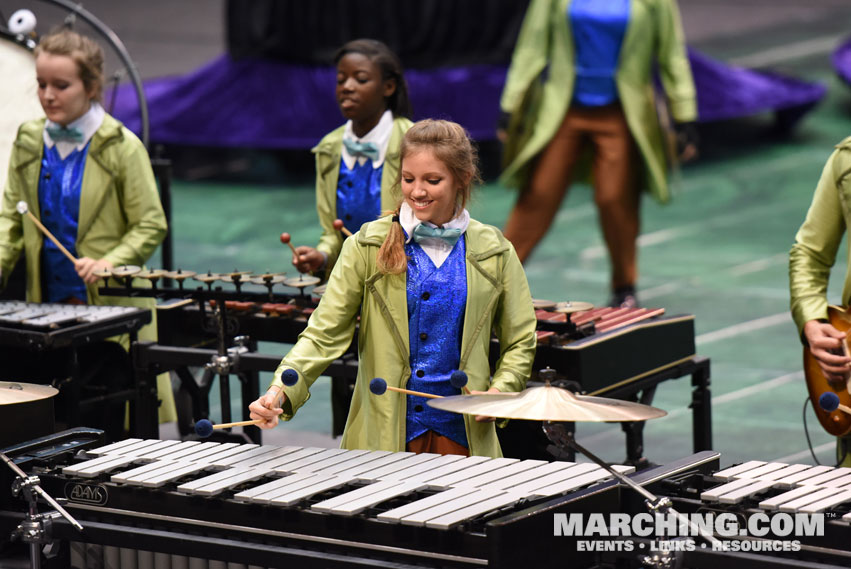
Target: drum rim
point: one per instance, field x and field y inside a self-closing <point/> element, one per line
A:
<point x="20" y="39"/>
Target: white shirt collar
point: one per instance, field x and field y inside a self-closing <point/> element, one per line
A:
<point x="380" y="135"/>
<point x="88" y="124"/>
<point x="409" y="222"/>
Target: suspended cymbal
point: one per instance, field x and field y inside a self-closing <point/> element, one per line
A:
<point x="302" y="281"/>
<point x="320" y="290"/>
<point x="575" y="306"/>
<point x="103" y="273"/>
<point x="540" y="304"/>
<point x="267" y="278"/>
<point x="12" y="392"/>
<point x="126" y="271"/>
<point x="547" y="403"/>
<point x="152" y="274"/>
<point x="180" y="274"/>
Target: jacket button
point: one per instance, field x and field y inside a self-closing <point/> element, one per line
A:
<point x="423" y="336"/>
<point x="420" y="373"/>
<point x="425" y="296"/>
<point x="418" y="408"/>
<point x="348" y="217"/>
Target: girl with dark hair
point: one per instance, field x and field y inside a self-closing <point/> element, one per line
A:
<point x="357" y="163"/>
<point x="431" y="286"/>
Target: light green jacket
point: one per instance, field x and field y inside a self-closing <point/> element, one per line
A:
<point x="654" y="35"/>
<point x="121" y="218"/>
<point x="328" y="153"/>
<point x="817" y="241"/>
<point x="498" y="301"/>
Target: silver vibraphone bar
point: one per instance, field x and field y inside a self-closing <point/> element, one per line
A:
<point x="464" y="487"/>
<point x="47" y="315"/>
<point x="792" y="488"/>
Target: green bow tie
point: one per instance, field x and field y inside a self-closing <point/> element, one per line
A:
<point x="365" y="149"/>
<point x="59" y="133"/>
<point x="423" y="231"/>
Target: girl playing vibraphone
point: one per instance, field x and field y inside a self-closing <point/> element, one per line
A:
<point x="357" y="164"/>
<point x="90" y="182"/>
<point x="430" y="285"/>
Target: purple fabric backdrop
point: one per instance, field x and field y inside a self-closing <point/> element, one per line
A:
<point x="264" y="104"/>
<point x="842" y="61"/>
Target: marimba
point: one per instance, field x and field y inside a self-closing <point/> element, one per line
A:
<point x="604" y="347"/>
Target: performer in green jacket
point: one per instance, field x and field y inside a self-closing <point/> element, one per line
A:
<point x="89" y="181"/>
<point x="430" y="285"/>
<point x="581" y="78"/>
<point x="810" y="261"/>
<point x="357" y="163"/>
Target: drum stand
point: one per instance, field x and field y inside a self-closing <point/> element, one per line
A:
<point x="563" y="438"/>
<point x="35" y="529"/>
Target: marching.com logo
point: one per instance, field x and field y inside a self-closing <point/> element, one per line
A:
<point x="767" y="528"/>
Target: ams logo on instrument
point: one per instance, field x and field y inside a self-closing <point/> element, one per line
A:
<point x="86" y="493"/>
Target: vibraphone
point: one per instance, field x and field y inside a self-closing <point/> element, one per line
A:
<point x="764" y="496"/>
<point x="271" y="506"/>
<point x="41" y="326"/>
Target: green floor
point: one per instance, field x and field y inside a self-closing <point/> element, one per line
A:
<point x="718" y="251"/>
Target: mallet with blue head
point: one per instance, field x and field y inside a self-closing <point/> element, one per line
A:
<point x="204" y="428"/>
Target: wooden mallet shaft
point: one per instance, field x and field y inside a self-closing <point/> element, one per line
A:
<point x="238" y="424"/>
<point x="23" y="209"/>
<point x="411" y="392"/>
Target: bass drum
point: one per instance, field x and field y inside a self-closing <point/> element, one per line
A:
<point x="18" y="93"/>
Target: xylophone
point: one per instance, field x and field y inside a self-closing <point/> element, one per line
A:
<point x="41" y="326"/>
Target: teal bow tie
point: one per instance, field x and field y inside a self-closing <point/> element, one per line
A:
<point x="60" y="133"/>
<point x="423" y="231"/>
<point x="365" y="149"/>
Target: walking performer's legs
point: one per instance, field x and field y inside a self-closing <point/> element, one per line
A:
<point x="616" y="193"/>
<point x="539" y="200"/>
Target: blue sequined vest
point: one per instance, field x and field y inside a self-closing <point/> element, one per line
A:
<point x="358" y="194"/>
<point x="437" y="299"/>
<point x="59" y="187"/>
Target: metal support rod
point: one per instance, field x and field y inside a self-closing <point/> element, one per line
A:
<point x="654" y="502"/>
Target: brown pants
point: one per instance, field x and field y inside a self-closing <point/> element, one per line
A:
<point x="430" y="441"/>
<point x="615" y="190"/>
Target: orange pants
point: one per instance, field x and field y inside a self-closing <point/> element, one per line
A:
<point x="430" y="441"/>
<point x="614" y="169"/>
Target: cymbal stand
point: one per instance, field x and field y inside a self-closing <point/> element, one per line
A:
<point x="562" y="437"/>
<point x="35" y="529"/>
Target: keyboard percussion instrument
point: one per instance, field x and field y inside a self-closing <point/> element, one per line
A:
<point x="389" y="508"/>
<point x="42" y="326"/>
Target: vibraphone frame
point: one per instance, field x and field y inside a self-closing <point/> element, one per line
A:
<point x="70" y="338"/>
<point x="227" y="530"/>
